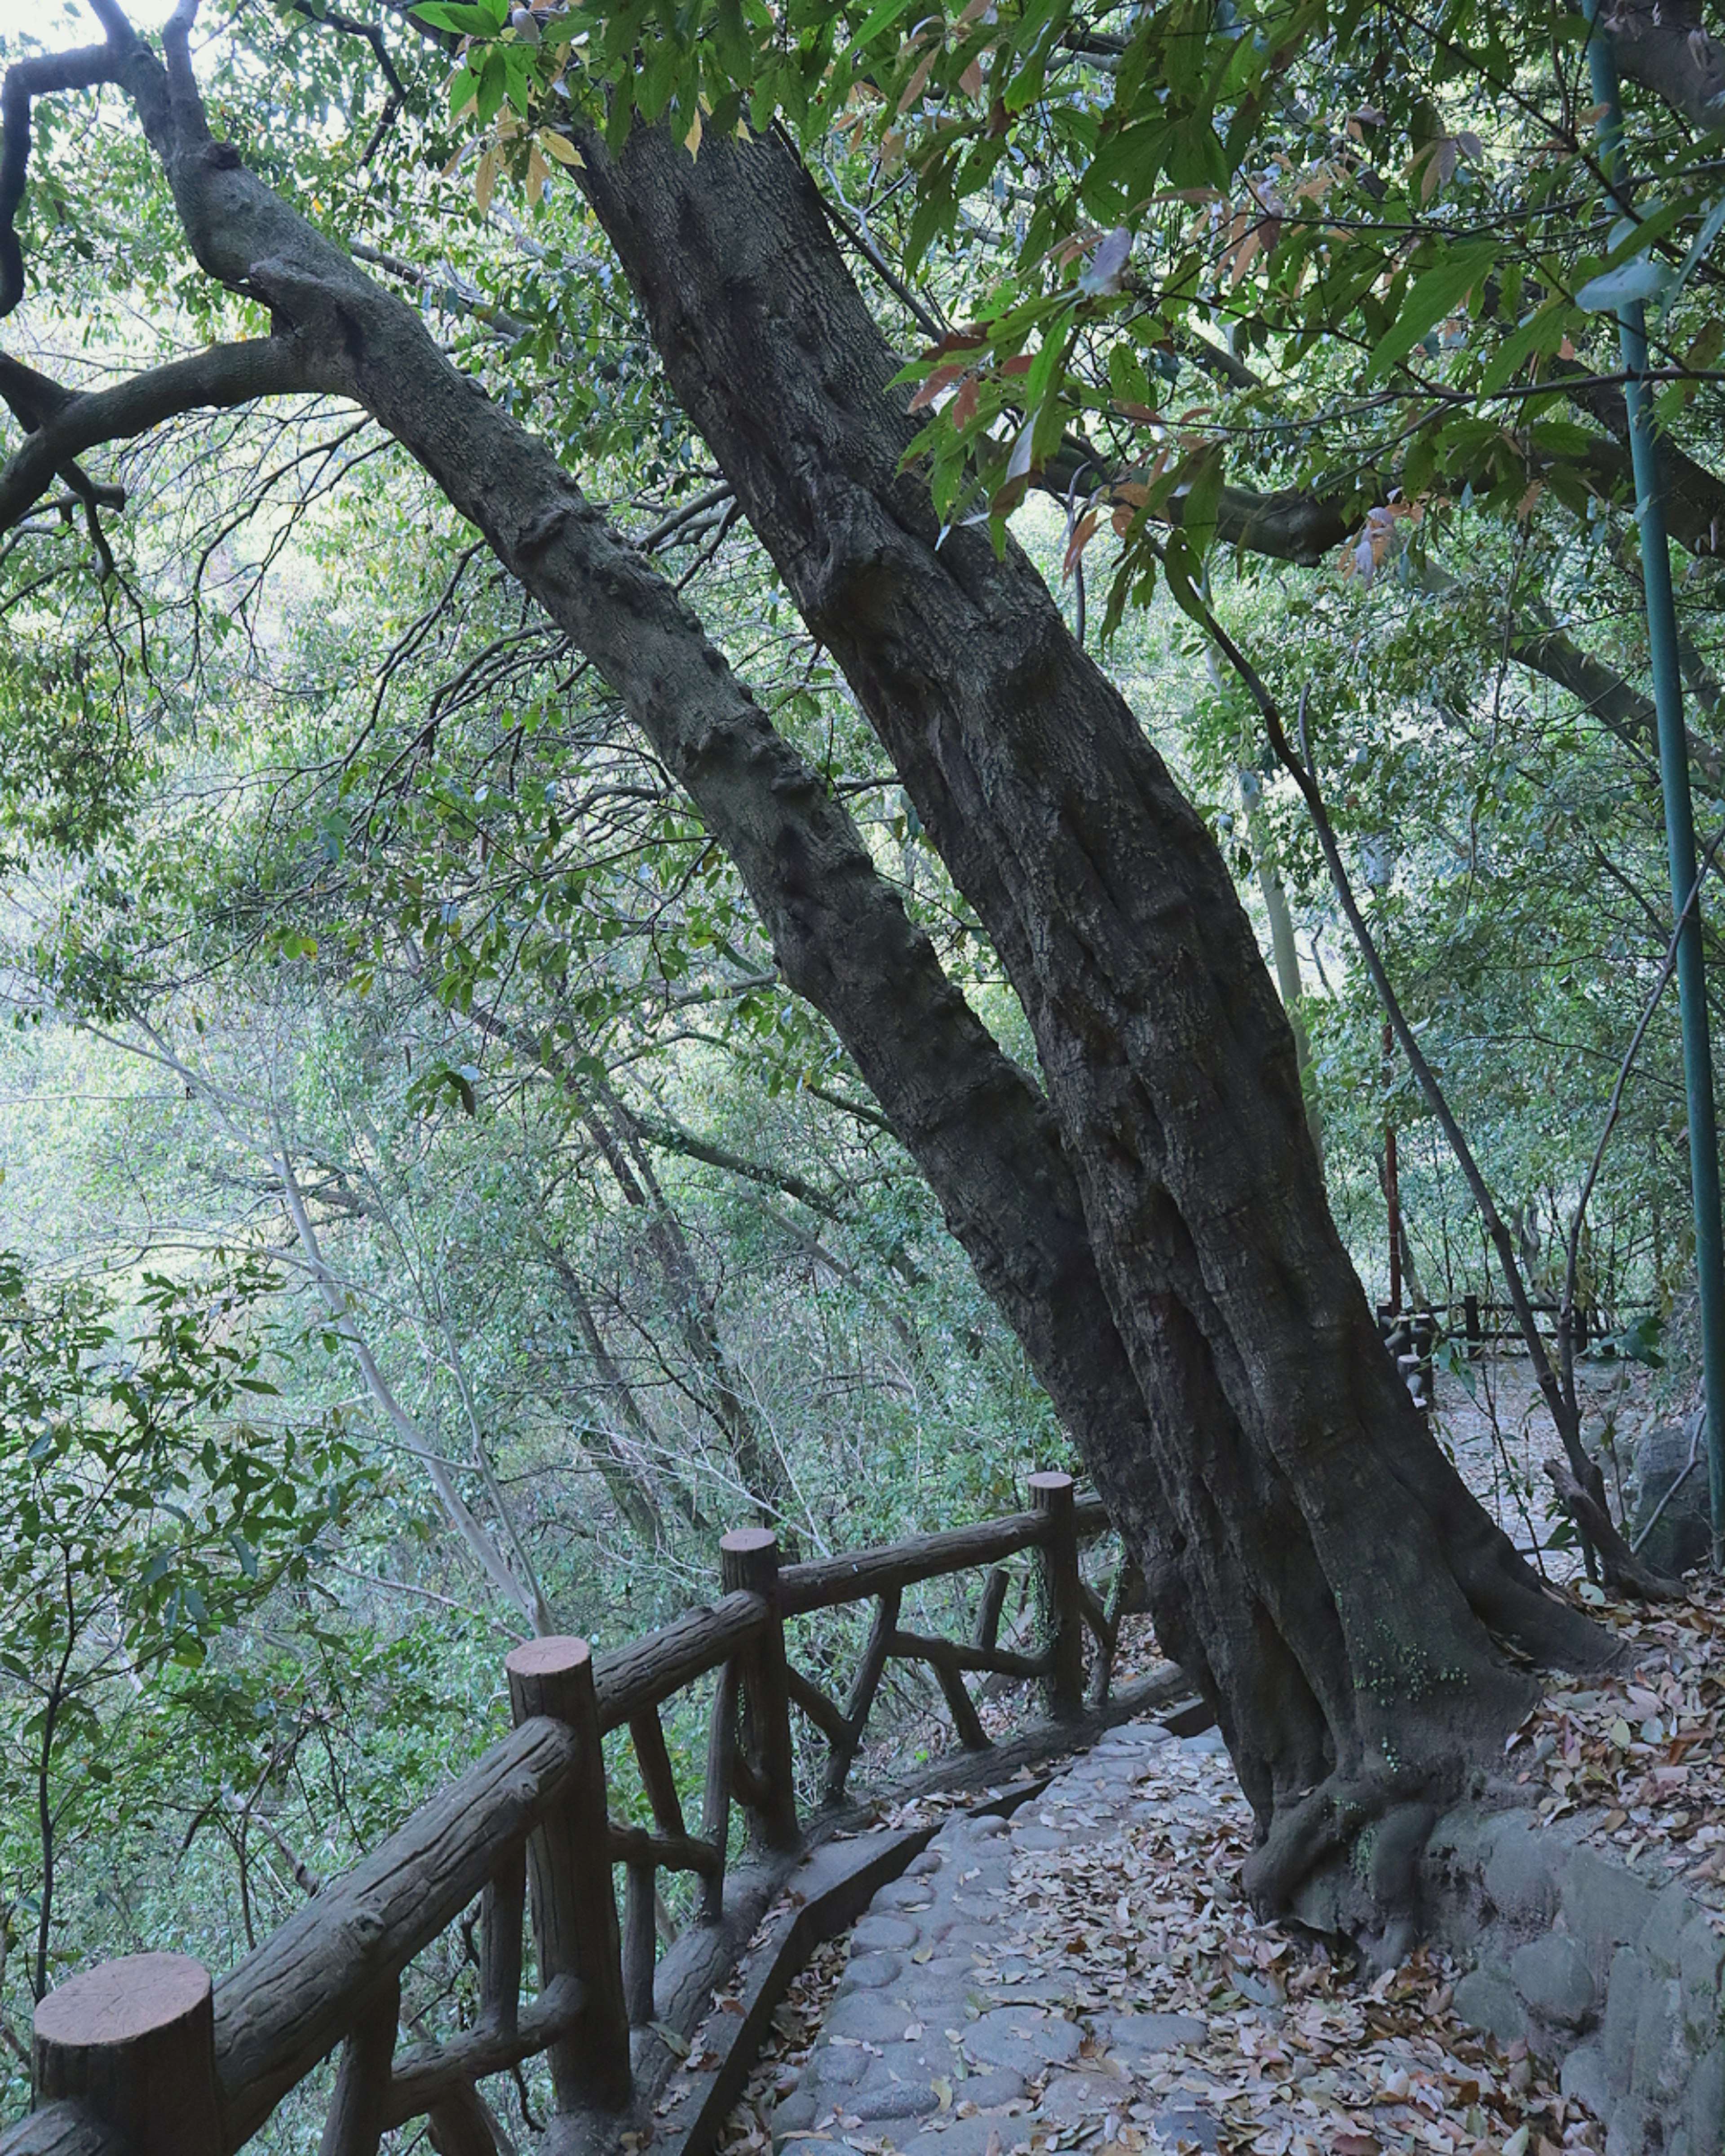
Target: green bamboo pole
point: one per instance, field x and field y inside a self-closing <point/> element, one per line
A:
<point x="1679" y="816"/>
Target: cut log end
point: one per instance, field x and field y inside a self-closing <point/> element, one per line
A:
<point x="746" y="1541"/>
<point x="122" y="2002"/>
<point x="554" y="1655"/>
<point x="133" y="2042"/>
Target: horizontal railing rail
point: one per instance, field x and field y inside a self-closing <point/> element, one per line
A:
<point x="143" y="2055"/>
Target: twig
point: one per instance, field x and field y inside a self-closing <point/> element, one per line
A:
<point x="427" y="1594"/>
<point x="1619" y="1563"/>
<point x="1566" y="1315"/>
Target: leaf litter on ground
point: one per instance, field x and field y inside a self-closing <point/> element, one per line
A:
<point x="1304" y="2054"/>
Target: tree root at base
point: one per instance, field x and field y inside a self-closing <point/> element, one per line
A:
<point x="1623" y="1571"/>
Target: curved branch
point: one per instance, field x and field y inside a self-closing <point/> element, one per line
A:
<point x="226" y="375"/>
<point x="26" y="80"/>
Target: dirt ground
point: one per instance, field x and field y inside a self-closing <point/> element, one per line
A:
<point x="1498" y="1430"/>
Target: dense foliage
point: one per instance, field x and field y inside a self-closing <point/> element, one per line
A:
<point x="441" y="1216"/>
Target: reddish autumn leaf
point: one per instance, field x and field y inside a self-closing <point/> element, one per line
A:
<point x="1083" y="533"/>
<point x="943" y="377"/>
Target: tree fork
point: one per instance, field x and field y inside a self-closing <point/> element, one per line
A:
<point x="1167" y="1060"/>
<point x="1213" y="1446"/>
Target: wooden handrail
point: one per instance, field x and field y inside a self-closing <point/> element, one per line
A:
<point x="628" y="1680"/>
<point x="532" y="1810"/>
<point x="292" y="2000"/>
<point x="430" y="2071"/>
<point x="828" y="1582"/>
<point x="63" y="2129"/>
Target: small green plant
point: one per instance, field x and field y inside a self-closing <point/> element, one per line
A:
<point x="141" y="1512"/>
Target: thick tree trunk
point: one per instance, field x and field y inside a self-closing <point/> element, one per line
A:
<point x="1183" y="1294"/>
<point x="1343" y="1584"/>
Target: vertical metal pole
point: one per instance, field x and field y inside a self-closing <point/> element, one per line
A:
<point x="1391" y="1180"/>
<point x="1679" y="817"/>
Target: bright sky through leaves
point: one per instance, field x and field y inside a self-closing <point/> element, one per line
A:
<point x="52" y="19"/>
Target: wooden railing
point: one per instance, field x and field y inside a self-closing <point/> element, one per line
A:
<point x="144" y="2055"/>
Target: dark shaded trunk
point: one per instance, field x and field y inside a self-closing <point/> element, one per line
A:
<point x="1162" y="1249"/>
<point x="1342" y="1584"/>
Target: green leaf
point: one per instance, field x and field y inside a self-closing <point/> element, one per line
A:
<point x="471" y="21"/>
<point x="1433" y="296"/>
<point x="1712" y="225"/>
<point x="1201" y="500"/>
<point x="1630" y="284"/>
<point x="1541" y="332"/>
<point x="881" y="18"/>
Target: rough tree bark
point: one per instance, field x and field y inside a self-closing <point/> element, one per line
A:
<point x="1164" y="1248"/>
<point x="1342" y="1583"/>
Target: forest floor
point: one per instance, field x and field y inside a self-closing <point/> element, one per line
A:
<point x="1134" y="1921"/>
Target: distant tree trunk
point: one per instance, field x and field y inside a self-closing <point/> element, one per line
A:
<point x="1342" y="1584"/>
<point x="1286" y="955"/>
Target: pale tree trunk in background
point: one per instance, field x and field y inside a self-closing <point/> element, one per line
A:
<point x="1285" y="954"/>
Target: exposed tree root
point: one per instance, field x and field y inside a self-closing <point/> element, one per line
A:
<point x="1624" y="1572"/>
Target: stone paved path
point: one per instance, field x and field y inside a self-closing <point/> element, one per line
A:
<point x="939" y="2043"/>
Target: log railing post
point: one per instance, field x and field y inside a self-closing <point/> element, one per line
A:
<point x="461" y="2125"/>
<point x="1058" y="1583"/>
<point x="641" y="1943"/>
<point x="501" y="1908"/>
<point x="569" y="1880"/>
<point x="716" y="1798"/>
<point x="869" y="1670"/>
<point x="748" y="1559"/>
<point x="134" y="2042"/>
<point x="354" y="2124"/>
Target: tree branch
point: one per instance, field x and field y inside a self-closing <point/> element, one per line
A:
<point x="26" y="80"/>
<point x="226" y="375"/>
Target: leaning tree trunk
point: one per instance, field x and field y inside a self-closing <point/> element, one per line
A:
<point x="1165" y="1255"/>
<point x="1343" y="1584"/>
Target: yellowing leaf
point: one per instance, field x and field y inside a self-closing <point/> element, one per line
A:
<point x="1080" y="539"/>
<point x="562" y="149"/>
<point x="538" y="172"/>
<point x="915" y="87"/>
<point x="691" y="140"/>
<point x="485" y="180"/>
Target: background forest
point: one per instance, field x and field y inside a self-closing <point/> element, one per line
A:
<point x="431" y="1215"/>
